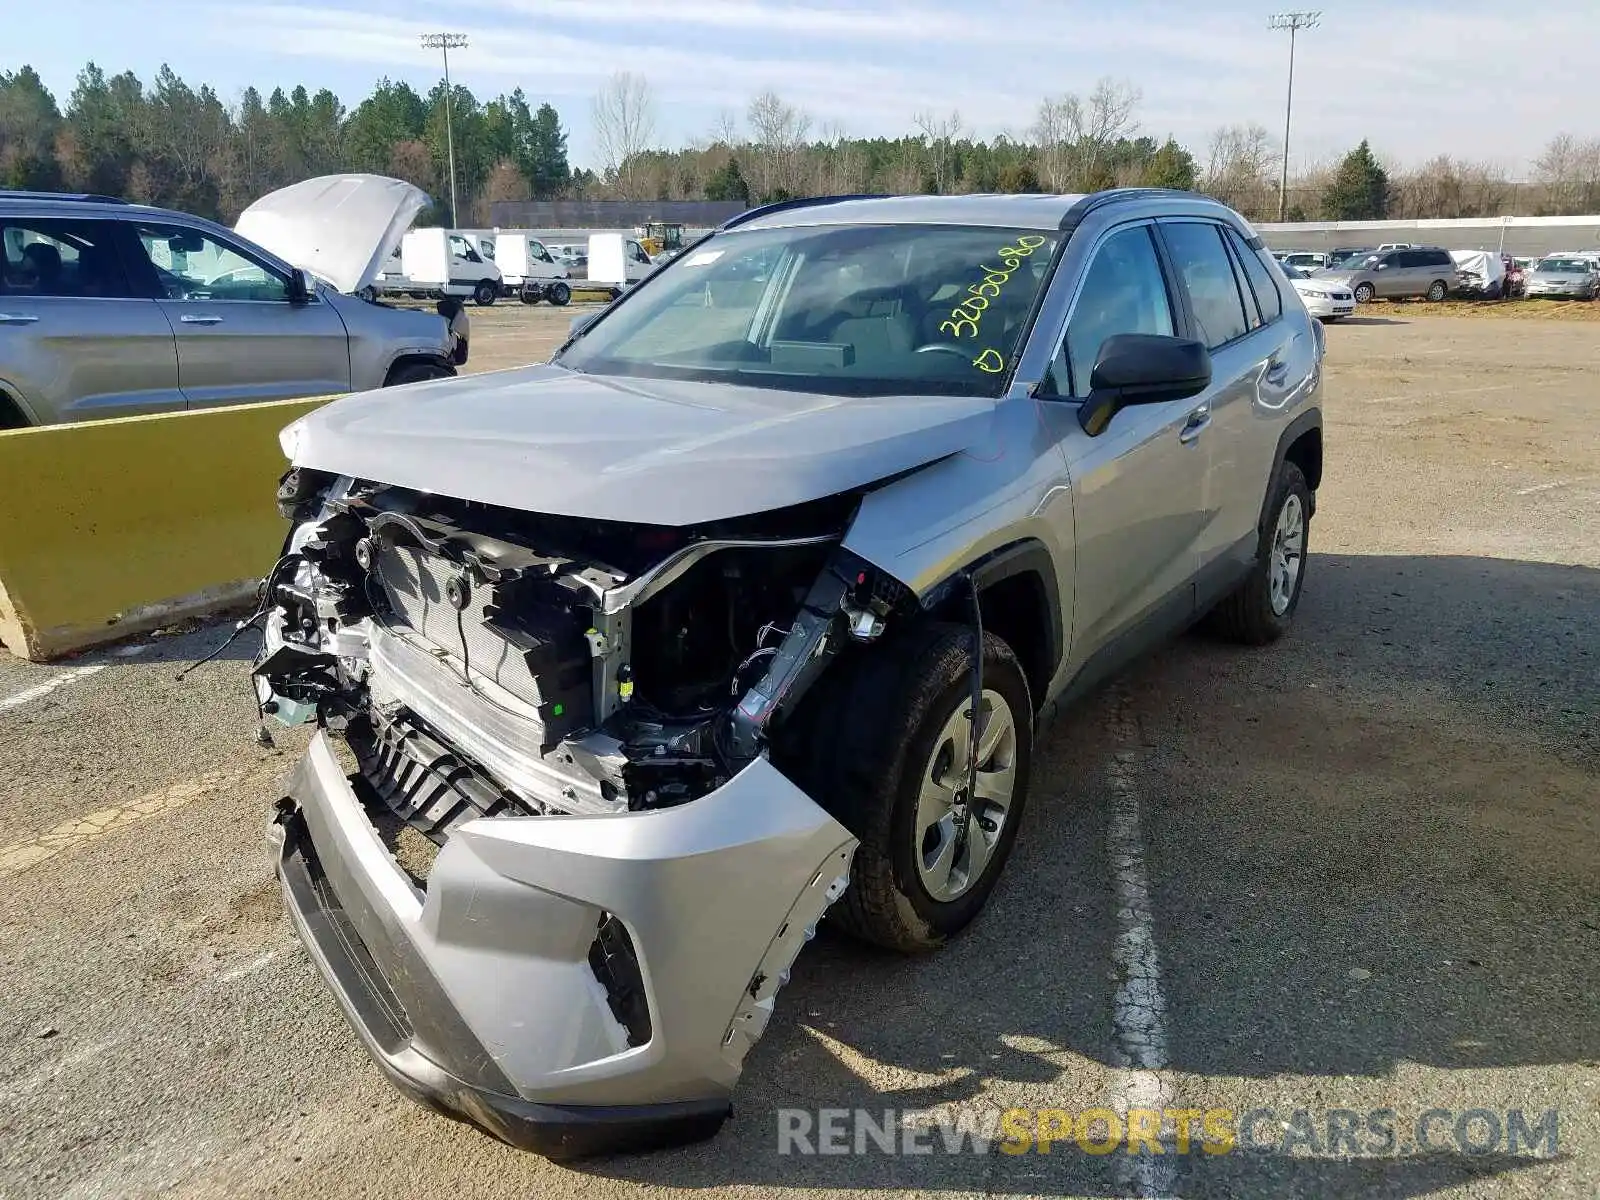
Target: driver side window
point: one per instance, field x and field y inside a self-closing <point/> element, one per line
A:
<point x="189" y="265"/>
<point x="1124" y="291"/>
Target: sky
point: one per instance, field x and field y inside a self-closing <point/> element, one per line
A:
<point x="1483" y="81"/>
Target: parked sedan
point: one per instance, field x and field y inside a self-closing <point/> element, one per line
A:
<point x="1562" y="278"/>
<point x="1324" y="299"/>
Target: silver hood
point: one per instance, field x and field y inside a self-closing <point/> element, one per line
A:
<point x="544" y="439"/>
<point x="341" y="228"/>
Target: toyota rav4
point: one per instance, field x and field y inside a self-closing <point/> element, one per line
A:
<point x="627" y="667"/>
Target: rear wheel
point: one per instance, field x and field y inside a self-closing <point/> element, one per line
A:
<point x="559" y="294"/>
<point x="485" y="293"/>
<point x="894" y="763"/>
<point x="1262" y="607"/>
<point x="1364" y="293"/>
<point x="1437" y="290"/>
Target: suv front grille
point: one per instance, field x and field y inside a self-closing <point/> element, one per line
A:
<point x="424" y="783"/>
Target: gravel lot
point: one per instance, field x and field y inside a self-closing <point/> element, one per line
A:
<point x="1369" y="869"/>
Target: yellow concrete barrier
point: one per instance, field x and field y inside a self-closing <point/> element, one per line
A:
<point x="109" y="528"/>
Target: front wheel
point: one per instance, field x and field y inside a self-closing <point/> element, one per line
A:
<point x="1437" y="290"/>
<point x="1262" y="607"/>
<point x="485" y="293"/>
<point x="934" y="834"/>
<point x="1364" y="293"/>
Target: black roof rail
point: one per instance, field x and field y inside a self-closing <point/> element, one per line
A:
<point x="74" y="197"/>
<point x="750" y="214"/>
<point x="1090" y="203"/>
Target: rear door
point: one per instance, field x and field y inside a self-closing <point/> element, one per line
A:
<point x="240" y="339"/>
<point x="1247" y="338"/>
<point x="77" y="340"/>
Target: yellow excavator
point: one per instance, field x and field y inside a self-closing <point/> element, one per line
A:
<point x="659" y="237"/>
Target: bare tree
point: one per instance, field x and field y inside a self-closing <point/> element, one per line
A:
<point x="778" y="131"/>
<point x="624" y="113"/>
<point x="726" y="129"/>
<point x="1569" y="170"/>
<point x="1055" y="133"/>
<point x="1107" y="118"/>
<point x="939" y="136"/>
<point x="1239" y="168"/>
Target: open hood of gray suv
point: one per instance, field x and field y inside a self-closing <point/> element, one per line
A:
<point x="341" y="228"/>
<point x="547" y="440"/>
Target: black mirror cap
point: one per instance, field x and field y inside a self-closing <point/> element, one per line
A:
<point x="300" y="286"/>
<point x="1142" y="368"/>
<point x="1147" y="368"/>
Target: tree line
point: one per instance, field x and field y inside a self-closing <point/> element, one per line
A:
<point x="181" y="146"/>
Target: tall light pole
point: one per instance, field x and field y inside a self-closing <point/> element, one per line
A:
<point x="448" y="42"/>
<point x="1294" y="22"/>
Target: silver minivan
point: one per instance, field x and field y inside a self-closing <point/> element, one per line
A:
<point x="1427" y="271"/>
<point x="111" y="309"/>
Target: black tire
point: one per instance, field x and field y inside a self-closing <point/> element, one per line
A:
<point x="485" y="293"/>
<point x="878" y="721"/>
<point x="11" y="414"/>
<point x="1246" y="614"/>
<point x="417" y="372"/>
<point x="1437" y="290"/>
<point x="1365" y="293"/>
<point x="559" y="294"/>
<point x="528" y="296"/>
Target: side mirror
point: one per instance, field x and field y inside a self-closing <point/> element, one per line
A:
<point x="1142" y="368"/>
<point x="301" y="288"/>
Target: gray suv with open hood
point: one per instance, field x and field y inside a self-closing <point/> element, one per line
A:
<point x="110" y="309"/>
<point x="743" y="610"/>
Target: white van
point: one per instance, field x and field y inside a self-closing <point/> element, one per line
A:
<point x="441" y="262"/>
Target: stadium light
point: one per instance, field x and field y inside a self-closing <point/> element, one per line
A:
<point x="1294" y="22"/>
<point x="448" y="42"/>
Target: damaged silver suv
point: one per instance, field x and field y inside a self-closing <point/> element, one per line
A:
<point x="628" y="666"/>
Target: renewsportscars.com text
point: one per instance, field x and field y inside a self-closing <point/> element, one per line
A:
<point x="1322" y="1133"/>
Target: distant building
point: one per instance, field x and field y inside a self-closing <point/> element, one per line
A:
<point x="610" y="214"/>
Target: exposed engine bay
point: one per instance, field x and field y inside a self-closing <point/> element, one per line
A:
<point x="482" y="661"/>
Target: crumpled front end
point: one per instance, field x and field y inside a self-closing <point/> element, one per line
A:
<point x="541" y="847"/>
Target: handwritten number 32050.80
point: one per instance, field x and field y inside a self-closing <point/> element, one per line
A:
<point x="966" y="316"/>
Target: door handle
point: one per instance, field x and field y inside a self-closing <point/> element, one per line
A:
<point x="1195" y="425"/>
<point x="17" y="318"/>
<point x="200" y="319"/>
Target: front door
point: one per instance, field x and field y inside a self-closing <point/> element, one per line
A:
<point x="241" y="340"/>
<point x="1137" y="486"/>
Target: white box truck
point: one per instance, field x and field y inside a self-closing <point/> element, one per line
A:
<point x="444" y="262"/>
<point x="615" y="261"/>
<point x="528" y="270"/>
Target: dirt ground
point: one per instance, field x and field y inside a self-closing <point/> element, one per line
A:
<point x="1367" y="873"/>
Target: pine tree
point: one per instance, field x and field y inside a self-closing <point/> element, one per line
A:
<point x="1360" y="189"/>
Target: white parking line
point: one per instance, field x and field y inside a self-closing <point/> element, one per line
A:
<point x="1139" y="1009"/>
<point x="49" y="685"/>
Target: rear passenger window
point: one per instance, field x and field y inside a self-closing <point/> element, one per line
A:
<point x="48" y="257"/>
<point x="1268" y="299"/>
<point x="1207" y="274"/>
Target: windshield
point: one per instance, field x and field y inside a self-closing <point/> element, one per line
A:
<point x="1562" y="266"/>
<point x="1359" y="259"/>
<point x="846" y="310"/>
